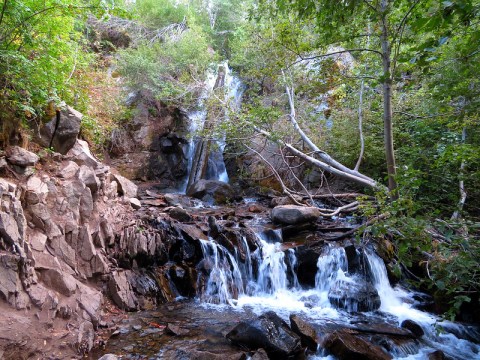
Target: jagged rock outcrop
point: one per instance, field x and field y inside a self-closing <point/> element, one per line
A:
<point x="153" y="145"/>
<point x="58" y="231"/>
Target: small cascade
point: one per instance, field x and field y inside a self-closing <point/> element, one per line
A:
<point x="331" y="266"/>
<point x="390" y="299"/>
<point x="224" y="279"/>
<point x="266" y="279"/>
<point x="272" y="270"/>
<point x="292" y="259"/>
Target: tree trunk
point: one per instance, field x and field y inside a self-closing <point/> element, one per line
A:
<point x="387" y="102"/>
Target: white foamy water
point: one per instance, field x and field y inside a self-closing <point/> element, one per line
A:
<point x="272" y="285"/>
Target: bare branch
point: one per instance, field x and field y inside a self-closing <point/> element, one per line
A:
<point x="321" y="154"/>
<point x="286" y="190"/>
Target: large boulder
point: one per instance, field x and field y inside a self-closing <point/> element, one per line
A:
<point x="269" y="332"/>
<point x="294" y="214"/>
<point x="61" y="132"/>
<point x="354" y="296"/>
<point x="211" y="191"/>
<point x="21" y="157"/>
<point x="346" y="346"/>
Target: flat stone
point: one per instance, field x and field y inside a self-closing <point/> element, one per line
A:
<point x="180" y="214"/>
<point x="45" y="261"/>
<point x="37" y="240"/>
<point x="21" y="157"/>
<point x="109" y="357"/>
<point x="176" y="330"/>
<point x="346" y="346"/>
<point x="306" y="332"/>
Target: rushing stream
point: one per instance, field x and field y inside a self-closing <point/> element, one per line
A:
<point x="232" y="287"/>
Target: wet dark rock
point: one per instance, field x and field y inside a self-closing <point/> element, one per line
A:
<point x="436" y="355"/>
<point x="21" y="157"/>
<point x="357" y="262"/>
<point x="306" y="265"/>
<point x="61" y="133"/>
<point x="211" y="191"/>
<point x="180" y="214"/>
<point x="346" y="346"/>
<point x="354" y="296"/>
<point x="269" y="332"/>
<point x="272" y="236"/>
<point x="415" y="328"/>
<point x="176" y="330"/>
<point x="294" y="214"/>
<point x="307" y="333"/>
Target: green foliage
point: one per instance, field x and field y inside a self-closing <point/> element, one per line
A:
<point x="160" y="13"/>
<point x="42" y="55"/>
<point x="171" y="70"/>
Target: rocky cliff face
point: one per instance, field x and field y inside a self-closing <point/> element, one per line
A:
<point x="153" y="146"/>
<point x="59" y="216"/>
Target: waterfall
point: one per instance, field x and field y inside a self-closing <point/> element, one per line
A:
<point x="204" y="160"/>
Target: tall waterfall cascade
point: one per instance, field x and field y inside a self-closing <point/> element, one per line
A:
<point x="205" y="157"/>
<point x="267" y="280"/>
